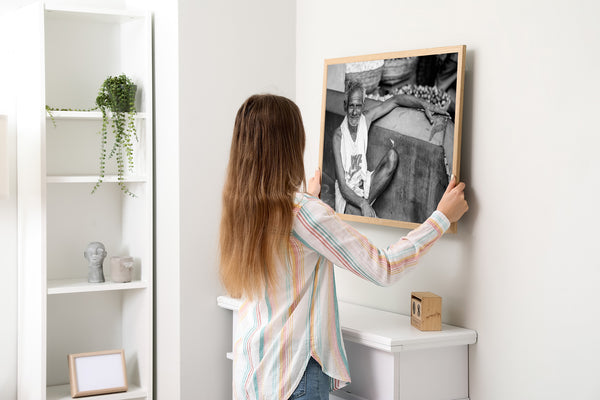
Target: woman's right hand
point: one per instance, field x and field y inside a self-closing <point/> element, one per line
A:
<point x="453" y="204"/>
<point x="314" y="184"/>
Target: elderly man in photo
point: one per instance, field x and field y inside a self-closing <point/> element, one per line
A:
<point x="355" y="182"/>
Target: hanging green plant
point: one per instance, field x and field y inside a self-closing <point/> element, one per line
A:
<point x="116" y="102"/>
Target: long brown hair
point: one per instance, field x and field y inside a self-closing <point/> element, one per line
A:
<point x="266" y="169"/>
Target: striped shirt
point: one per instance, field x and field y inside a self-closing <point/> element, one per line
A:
<point x="276" y="335"/>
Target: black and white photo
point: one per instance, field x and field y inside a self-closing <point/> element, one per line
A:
<point x="390" y="133"/>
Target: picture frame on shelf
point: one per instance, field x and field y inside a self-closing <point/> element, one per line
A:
<point x="391" y="133"/>
<point x="99" y="372"/>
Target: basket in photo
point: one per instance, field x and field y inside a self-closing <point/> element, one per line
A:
<point x="368" y="73"/>
<point x="399" y="70"/>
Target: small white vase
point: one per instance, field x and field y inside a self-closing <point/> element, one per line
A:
<point x="121" y="269"/>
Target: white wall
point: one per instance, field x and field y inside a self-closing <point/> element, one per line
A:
<point x="228" y="50"/>
<point x="8" y="229"/>
<point x="523" y="269"/>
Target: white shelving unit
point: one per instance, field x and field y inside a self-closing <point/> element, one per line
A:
<point x="64" y="54"/>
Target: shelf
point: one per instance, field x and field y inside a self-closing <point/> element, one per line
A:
<point x="85" y="115"/>
<point x="81" y="285"/>
<point x="63" y="392"/>
<point x="92" y="179"/>
<point x="93" y="14"/>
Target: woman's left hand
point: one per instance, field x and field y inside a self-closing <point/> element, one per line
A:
<point x="314" y="184"/>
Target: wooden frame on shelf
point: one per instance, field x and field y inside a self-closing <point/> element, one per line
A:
<point x="98" y="372"/>
<point x="409" y="128"/>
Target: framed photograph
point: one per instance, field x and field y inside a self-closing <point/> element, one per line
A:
<point x="390" y="133"/>
<point x="98" y="372"/>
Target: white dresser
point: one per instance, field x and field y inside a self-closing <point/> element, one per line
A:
<point x="391" y="360"/>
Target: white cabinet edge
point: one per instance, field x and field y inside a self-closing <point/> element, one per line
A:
<point x="229" y="303"/>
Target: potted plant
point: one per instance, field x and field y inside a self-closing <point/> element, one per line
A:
<point x="116" y="101"/>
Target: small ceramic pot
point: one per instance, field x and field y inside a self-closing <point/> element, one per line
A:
<point x="121" y="269"/>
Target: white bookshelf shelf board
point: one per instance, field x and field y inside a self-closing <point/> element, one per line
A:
<point x="92" y="179"/>
<point x="63" y="392"/>
<point x="57" y="10"/>
<point x="85" y="115"/>
<point x="63" y="286"/>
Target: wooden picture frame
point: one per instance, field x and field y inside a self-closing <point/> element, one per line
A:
<point x="408" y="152"/>
<point x="98" y="372"/>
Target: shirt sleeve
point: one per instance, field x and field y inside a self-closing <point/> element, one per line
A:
<point x="319" y="228"/>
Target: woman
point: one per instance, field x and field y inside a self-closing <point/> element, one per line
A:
<point x="277" y="248"/>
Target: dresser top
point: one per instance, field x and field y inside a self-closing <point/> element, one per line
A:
<point x="385" y="330"/>
<point x="393" y="332"/>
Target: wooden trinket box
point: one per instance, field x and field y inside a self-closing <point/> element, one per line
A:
<point x="426" y="311"/>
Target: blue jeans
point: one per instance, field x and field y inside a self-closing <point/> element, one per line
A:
<point x="314" y="384"/>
